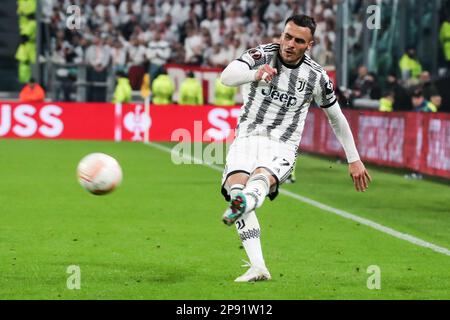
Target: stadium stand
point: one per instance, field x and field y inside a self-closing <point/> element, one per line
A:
<point x="140" y="36"/>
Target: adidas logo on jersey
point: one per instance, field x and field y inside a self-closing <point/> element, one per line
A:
<point x="282" y="97"/>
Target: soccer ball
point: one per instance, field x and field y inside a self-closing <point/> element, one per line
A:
<point x="99" y="173"/>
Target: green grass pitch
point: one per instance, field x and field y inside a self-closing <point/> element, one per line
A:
<point x="160" y="235"/>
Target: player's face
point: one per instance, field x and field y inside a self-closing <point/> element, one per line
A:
<point x="295" y="40"/>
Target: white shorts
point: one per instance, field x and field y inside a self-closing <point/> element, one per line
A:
<point x="249" y="153"/>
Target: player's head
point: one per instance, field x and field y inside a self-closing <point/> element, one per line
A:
<point x="297" y="37"/>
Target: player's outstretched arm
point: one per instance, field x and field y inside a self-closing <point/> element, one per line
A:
<point x="341" y="128"/>
<point x="238" y="73"/>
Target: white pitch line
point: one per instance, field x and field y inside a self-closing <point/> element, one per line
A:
<point x="341" y="213"/>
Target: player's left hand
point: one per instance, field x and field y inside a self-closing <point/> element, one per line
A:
<point x="359" y="175"/>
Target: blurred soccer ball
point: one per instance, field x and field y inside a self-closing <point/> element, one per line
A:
<point x="99" y="173"/>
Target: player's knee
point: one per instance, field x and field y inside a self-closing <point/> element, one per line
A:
<point x="266" y="173"/>
<point x="237" y="178"/>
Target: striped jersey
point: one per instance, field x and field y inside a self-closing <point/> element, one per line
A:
<point x="278" y="109"/>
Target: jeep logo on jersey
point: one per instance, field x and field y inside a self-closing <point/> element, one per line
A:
<point x="282" y="97"/>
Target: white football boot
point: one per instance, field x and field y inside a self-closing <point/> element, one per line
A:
<point x="254" y="273"/>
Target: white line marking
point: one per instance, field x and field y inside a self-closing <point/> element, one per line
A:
<point x="341" y="213"/>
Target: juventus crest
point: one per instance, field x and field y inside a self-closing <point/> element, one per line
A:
<point x="301" y="85"/>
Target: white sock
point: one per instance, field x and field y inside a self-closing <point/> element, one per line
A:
<point x="235" y="189"/>
<point x="256" y="190"/>
<point x="250" y="233"/>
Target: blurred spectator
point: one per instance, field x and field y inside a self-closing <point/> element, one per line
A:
<point x="25" y="55"/>
<point x="275" y="26"/>
<point x="158" y="53"/>
<point x="136" y="58"/>
<point x="410" y="67"/>
<point x="191" y="91"/>
<point x="97" y="59"/>
<point x="444" y="37"/>
<point x="387" y="102"/>
<point x="234" y="18"/>
<point x="193" y="45"/>
<point x="275" y="7"/>
<point x="428" y="87"/>
<point x="32" y="92"/>
<point x="402" y="100"/>
<point x="224" y="95"/>
<point x="130" y="7"/>
<point x="435" y="102"/>
<point x="366" y="85"/>
<point x="67" y="77"/>
<point x="118" y="56"/>
<point x="328" y="54"/>
<point x="149" y="13"/>
<point x="177" y="53"/>
<point x="420" y="104"/>
<point x="211" y="23"/>
<point x="215" y="56"/>
<point x="371" y="89"/>
<point x="361" y="78"/>
<point x="104" y="7"/>
<point x="122" y="93"/>
<point x="162" y="89"/>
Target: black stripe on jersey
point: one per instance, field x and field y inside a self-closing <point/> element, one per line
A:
<point x="251" y="99"/>
<point x="262" y="110"/>
<point x="284" y="108"/>
<point x="329" y="105"/>
<point x="313" y="63"/>
<point x="244" y="62"/>
<point x="271" y="47"/>
<point x="323" y="84"/>
<point x="315" y="68"/>
<point x="312" y="77"/>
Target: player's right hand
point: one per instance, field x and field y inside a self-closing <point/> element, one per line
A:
<point x="360" y="176"/>
<point x="265" y="73"/>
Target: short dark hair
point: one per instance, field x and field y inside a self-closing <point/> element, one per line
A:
<point x="417" y="93"/>
<point x="303" y="21"/>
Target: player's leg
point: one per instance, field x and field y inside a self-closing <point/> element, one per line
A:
<point x="249" y="232"/>
<point x="275" y="162"/>
<point x="258" y="187"/>
<point x="249" y="196"/>
<point x="240" y="162"/>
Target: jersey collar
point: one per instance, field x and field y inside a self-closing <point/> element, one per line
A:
<point x="290" y="66"/>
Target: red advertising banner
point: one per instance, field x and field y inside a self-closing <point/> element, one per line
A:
<point x="57" y="120"/>
<point x="106" y="121"/>
<point x="418" y="141"/>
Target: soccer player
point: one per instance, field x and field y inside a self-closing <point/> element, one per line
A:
<point x="279" y="83"/>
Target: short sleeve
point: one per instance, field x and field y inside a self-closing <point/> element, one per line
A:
<point x="254" y="57"/>
<point x="324" y="93"/>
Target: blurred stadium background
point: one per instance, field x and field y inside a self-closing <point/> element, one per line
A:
<point x="122" y="70"/>
<point x="59" y="45"/>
